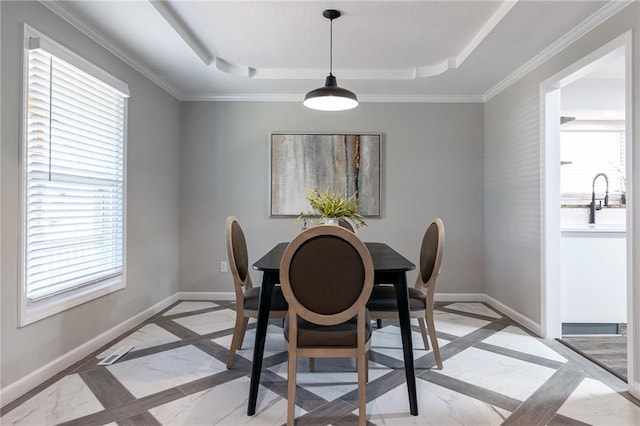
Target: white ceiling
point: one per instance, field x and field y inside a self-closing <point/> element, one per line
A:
<point x="597" y="96"/>
<point x="383" y="50"/>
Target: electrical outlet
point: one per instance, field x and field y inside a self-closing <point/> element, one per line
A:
<point x="224" y="266"/>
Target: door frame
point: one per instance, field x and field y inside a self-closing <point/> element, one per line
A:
<point x="550" y="194"/>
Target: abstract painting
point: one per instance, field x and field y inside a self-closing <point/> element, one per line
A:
<point x="345" y="163"/>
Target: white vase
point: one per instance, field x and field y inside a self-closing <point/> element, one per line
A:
<point x="330" y="220"/>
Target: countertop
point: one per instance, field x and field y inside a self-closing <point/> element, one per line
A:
<point x="594" y="228"/>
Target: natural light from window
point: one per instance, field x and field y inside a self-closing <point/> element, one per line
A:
<point x="74" y="180"/>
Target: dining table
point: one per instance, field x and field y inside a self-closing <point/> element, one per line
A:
<point x="390" y="267"/>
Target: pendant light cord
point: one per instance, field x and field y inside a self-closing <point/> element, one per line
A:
<point x="331" y="48"/>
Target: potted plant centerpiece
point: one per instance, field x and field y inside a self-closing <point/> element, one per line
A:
<point x="329" y="206"/>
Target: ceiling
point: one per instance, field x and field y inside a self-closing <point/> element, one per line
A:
<point x="597" y="96"/>
<point x="382" y="50"/>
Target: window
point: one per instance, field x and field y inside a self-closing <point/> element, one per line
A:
<point x="73" y="158"/>
<point x="584" y="154"/>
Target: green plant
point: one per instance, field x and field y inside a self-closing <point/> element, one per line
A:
<point x="332" y="204"/>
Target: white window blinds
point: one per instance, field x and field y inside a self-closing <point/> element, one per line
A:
<point x="584" y="155"/>
<point x="74" y="177"/>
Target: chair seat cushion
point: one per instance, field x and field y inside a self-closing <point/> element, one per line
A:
<point x="252" y="299"/>
<point x="383" y="298"/>
<point x="343" y="335"/>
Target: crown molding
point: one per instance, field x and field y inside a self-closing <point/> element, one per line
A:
<point x="258" y="97"/>
<point x="243" y="97"/>
<point x="421" y="98"/>
<point x="604" y="13"/>
<point x="72" y="18"/>
<point x="610" y="9"/>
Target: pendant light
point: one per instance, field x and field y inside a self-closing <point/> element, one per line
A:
<point x="330" y="97"/>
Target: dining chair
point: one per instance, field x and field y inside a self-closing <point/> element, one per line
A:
<point x="327" y="275"/>
<point x="383" y="303"/>
<point x="349" y="224"/>
<point x="247" y="296"/>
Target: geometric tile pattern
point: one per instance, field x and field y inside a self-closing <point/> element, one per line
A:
<point x="495" y="372"/>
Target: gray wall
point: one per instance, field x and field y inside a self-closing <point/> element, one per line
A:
<point x="513" y="175"/>
<point x="152" y="210"/>
<point x="432" y="166"/>
<point x="191" y="165"/>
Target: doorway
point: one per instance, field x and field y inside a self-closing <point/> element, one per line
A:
<point x="554" y="220"/>
<point x="593" y="215"/>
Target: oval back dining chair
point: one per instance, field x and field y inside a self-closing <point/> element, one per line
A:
<point x="383" y="302"/>
<point x="247" y="296"/>
<point x="327" y="275"/>
<point x="349" y="224"/>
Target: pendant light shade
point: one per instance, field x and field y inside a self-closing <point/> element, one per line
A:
<point x="330" y="97"/>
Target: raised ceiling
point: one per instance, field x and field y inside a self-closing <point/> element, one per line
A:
<point x="383" y="50"/>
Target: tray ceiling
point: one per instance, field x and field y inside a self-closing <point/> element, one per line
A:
<point x="383" y="50"/>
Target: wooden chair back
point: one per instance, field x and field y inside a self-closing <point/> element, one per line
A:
<point x="349" y="224"/>
<point x="238" y="257"/>
<point x="431" y="255"/>
<point x="326" y="275"/>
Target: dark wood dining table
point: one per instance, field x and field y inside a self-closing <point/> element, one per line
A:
<point x="389" y="266"/>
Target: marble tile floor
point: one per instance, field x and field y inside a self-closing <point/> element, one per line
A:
<point x="495" y="372"/>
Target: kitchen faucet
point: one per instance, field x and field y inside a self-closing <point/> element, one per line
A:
<point x="592" y="206"/>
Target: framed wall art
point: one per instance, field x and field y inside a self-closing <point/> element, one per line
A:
<point x="346" y="163"/>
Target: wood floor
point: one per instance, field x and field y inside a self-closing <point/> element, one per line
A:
<point x="610" y="352"/>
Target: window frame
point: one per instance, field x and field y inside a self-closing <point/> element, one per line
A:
<point x="580" y="199"/>
<point x="31" y="311"/>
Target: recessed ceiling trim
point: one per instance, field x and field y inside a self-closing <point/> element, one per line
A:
<point x="604" y="13"/>
<point x="493" y="21"/>
<point x="229" y="68"/>
<point x="422" y="98"/>
<point x="610" y="9"/>
<point x="255" y="97"/>
<point x="396" y="74"/>
<point x="72" y="18"/>
<point x="345" y="74"/>
<point x="183" y="30"/>
<point x="431" y="70"/>
<point x="187" y="35"/>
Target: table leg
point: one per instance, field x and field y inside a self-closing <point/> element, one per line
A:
<point x="402" y="294"/>
<point x="266" y="291"/>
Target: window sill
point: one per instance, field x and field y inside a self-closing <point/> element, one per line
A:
<point x="35" y="311"/>
<point x="586" y="206"/>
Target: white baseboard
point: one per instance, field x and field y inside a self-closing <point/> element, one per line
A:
<point x="524" y="321"/>
<point x="31" y="380"/>
<point x="459" y="297"/>
<point x="634" y="389"/>
<point x="481" y="297"/>
<point x="206" y="295"/>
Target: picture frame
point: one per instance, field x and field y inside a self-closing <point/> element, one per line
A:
<point x="346" y="163"/>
